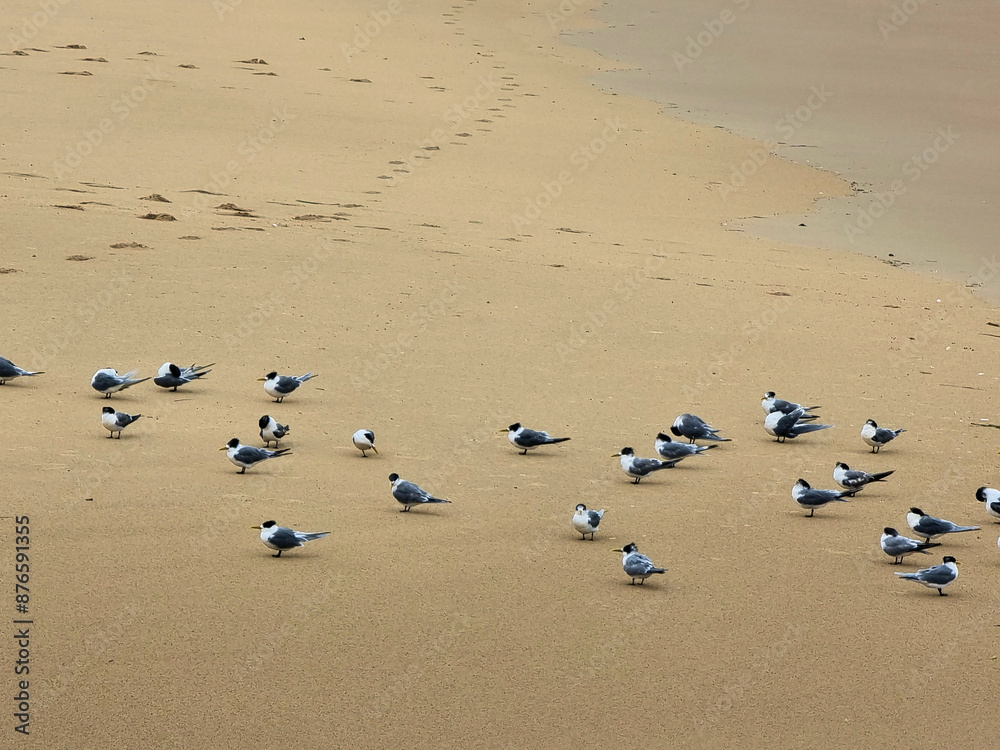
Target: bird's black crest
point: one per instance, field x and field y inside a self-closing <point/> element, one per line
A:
<point x="233" y="443"/>
<point x="174" y="370"/>
<point x="262" y="422"/>
<point x="890" y="531"/>
<point x="271" y="375"/>
<point x="515" y="427"/>
<point x="108" y="410"/>
<point x="268" y="524"/>
<point x="392" y="477"/>
<point x="950" y="559"/>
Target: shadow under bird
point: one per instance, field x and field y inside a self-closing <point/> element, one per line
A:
<point x="937" y="577"/>
<point x="930" y="527"/>
<point x="409" y="494"/>
<point x="636" y="467"/>
<point x="246" y="456"/>
<point x="526" y="439"/>
<point x="898" y="547"/>
<point x="108" y="381"/>
<point x="789" y="426"/>
<point x="695" y="428"/>
<point x="9" y="371"/>
<point x="364" y="440"/>
<point x="636" y="565"/>
<point x="284" y="539"/>
<point x="116" y="421"/>
<point x="279" y="386"/>
<point x="172" y="376"/>
<point x="877" y="436"/>
<point x="586" y="521"/>
<point x="855" y="479"/>
<point x="811" y="499"/>
<point x="675" y="451"/>
<point x="771" y="404"/>
<point x="271" y="430"/>
<point x="991" y="499"/>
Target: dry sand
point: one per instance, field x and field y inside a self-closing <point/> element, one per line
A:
<point x="436" y="312"/>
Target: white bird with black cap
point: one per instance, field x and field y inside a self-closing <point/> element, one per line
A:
<point x="284" y="539"/>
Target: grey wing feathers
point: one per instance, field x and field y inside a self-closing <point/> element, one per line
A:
<point x="900" y="545"/>
<point x="594" y="518"/>
<point x="310" y="536"/>
<point x="286" y="538"/>
<point x="641" y="565"/>
<point x="647" y="465"/>
<point x="938" y="574"/>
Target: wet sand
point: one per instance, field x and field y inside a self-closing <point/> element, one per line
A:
<point x="455" y="230"/>
<point x="898" y="98"/>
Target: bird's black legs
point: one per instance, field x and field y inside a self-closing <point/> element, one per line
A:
<point x="642" y="581"/>
<point x="279" y="553"/>
<point x="243" y="470"/>
<point x="107" y="395"/>
<point x="524" y="452"/>
<point x="875" y="448"/>
<point x="111" y="436"/>
<point x="175" y="389"/>
<point x="637" y="480"/>
<point x="811" y="512"/>
<point x="941" y="591"/>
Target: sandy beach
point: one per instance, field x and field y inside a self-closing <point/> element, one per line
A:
<point x="899" y="98"/>
<point x="436" y="210"/>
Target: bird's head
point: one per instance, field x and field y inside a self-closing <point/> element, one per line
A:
<point x="871" y="423"/>
<point x="270" y="376"/>
<point x="628" y="549"/>
<point x="664" y="438"/>
<point x="393" y="477"/>
<point x="917" y="511"/>
<point x="769" y="394"/>
<point x="842" y="465"/>
<point x="231" y="444"/>
<point x="950" y="559"/>
<point x="803" y="484"/>
<point x="981" y="494"/>
<point x="262" y="422"/>
<point x="513" y="428"/>
<point x="174" y="369"/>
<point x="890" y="531"/>
<point x="624" y="452"/>
<point x="581" y="507"/>
<point x="108" y="410"/>
<point x="265" y="525"/>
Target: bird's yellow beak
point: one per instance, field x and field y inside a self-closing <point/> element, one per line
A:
<point x="617" y="550"/>
<point x="255" y="527"/>
<point x="224" y="448"/>
<point x="503" y="430"/>
<point x="612" y="456"/>
<point x="375" y="449"/>
<point x="261" y="379"/>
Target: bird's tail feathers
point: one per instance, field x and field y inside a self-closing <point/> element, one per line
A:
<point x="716" y="438"/>
<point x="307" y="376"/>
<point x="924" y="546"/>
<point x="908" y="576"/>
<point x="281" y="452"/>
<point x="882" y="475"/>
<point x="804" y="428"/>
<point x="557" y="440"/>
<point x="968" y="528"/>
<point x="310" y="536"/>
<point x="438" y="500"/>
